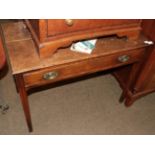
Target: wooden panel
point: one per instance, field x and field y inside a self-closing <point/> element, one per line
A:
<point x="146" y="80"/>
<point x="35" y="25"/>
<point x="150" y="79"/>
<point x="151" y="82"/>
<point x="149" y="28"/>
<point x="56" y="27"/>
<point x="83" y="67"/>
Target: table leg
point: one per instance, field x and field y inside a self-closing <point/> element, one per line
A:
<point x="129" y="102"/>
<point x="24" y="99"/>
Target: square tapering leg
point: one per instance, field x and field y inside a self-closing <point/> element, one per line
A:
<point x="24" y="100"/>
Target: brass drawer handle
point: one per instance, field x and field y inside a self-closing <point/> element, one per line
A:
<point x="50" y="75"/>
<point x="69" y="22"/>
<point x="123" y="58"/>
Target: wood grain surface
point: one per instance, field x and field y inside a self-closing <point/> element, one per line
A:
<point x="29" y="59"/>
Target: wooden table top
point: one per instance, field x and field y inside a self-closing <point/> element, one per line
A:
<point x="24" y="56"/>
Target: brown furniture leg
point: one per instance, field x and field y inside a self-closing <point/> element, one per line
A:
<point x="24" y="99"/>
<point x="129" y="102"/>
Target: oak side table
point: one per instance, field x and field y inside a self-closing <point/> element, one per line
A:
<point x="30" y="71"/>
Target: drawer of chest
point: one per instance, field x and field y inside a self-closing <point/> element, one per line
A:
<point x="61" y="26"/>
<point x="75" y="69"/>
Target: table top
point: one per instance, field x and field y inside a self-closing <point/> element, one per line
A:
<point x="24" y="57"/>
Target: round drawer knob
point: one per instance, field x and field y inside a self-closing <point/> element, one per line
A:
<point x="123" y="58"/>
<point x="69" y="22"/>
<point x="50" y="75"/>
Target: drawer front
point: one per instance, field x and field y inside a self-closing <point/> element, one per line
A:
<point x="53" y="74"/>
<point x="61" y="26"/>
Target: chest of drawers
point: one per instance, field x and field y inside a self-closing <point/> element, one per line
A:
<point x="51" y="34"/>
